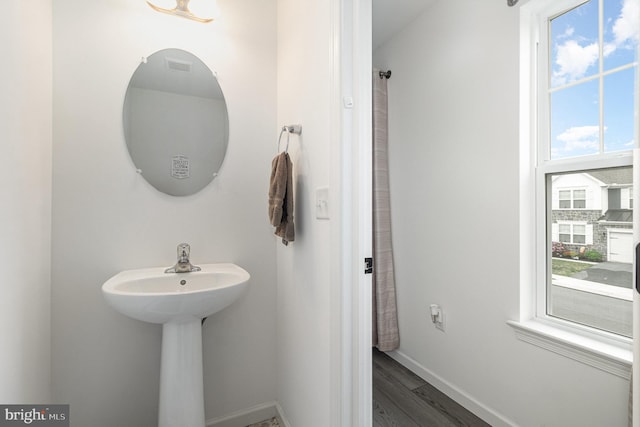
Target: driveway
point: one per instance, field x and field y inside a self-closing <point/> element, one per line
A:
<point x="610" y="273"/>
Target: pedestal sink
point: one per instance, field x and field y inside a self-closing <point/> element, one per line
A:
<point x="179" y="301"/>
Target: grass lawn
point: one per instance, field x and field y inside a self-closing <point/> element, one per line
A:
<point x="567" y="268"/>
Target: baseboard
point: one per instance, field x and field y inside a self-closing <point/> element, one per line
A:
<point x="469" y="402"/>
<point x="245" y="417"/>
<point x="254" y="414"/>
<point x="282" y="419"/>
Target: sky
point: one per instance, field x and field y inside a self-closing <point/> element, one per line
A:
<point x="576" y="58"/>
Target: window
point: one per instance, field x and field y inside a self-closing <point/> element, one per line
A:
<point x="572" y="233"/>
<point x="585" y="81"/>
<point x="572" y="199"/>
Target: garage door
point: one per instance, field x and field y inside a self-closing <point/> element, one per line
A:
<point x="621" y="246"/>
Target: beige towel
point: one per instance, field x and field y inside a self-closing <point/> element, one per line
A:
<point x="281" y="197"/>
<point x="277" y="188"/>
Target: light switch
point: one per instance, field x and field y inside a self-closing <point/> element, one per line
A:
<point x="322" y="203"/>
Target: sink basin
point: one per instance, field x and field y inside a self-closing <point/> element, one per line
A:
<point x="179" y="301"/>
<point x="151" y="295"/>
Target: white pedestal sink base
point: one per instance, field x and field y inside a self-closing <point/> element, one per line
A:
<point x="181" y="384"/>
<point x="178" y="301"/>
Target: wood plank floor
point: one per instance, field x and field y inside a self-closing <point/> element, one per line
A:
<point x="273" y="422"/>
<point x="402" y="399"/>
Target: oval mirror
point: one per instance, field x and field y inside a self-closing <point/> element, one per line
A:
<point x="175" y="122"/>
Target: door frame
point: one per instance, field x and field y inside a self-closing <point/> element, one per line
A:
<point x="355" y="57"/>
<point x="635" y="368"/>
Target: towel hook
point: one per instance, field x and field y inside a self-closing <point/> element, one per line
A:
<point x="289" y="129"/>
<point x="297" y="129"/>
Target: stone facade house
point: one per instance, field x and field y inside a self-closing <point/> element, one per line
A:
<point x="593" y="211"/>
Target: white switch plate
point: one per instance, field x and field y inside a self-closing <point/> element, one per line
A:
<point x="322" y="203"/>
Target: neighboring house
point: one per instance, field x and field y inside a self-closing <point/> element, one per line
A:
<point x="594" y="211"/>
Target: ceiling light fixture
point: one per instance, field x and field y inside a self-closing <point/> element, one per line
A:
<point x="182" y="9"/>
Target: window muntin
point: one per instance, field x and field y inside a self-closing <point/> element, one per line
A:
<point x="586" y="108"/>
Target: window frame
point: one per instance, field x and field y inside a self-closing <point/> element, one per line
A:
<point x="606" y="351"/>
<point x="544" y="165"/>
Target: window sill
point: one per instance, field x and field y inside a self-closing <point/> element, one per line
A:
<point x="612" y="357"/>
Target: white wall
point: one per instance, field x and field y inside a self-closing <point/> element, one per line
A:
<point x="304" y="268"/>
<point x="25" y="189"/>
<point x="454" y="176"/>
<point x="106" y="218"/>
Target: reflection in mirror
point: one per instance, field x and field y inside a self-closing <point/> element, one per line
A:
<point x="175" y="122"/>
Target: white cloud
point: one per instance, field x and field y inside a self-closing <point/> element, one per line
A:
<point x="574" y="60"/>
<point x="579" y="138"/>
<point x="569" y="31"/>
<point x="626" y="27"/>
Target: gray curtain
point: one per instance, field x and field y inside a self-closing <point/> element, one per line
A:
<point x="385" y="317"/>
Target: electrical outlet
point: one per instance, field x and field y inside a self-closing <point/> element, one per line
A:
<point x="437" y="316"/>
<point x="440" y="324"/>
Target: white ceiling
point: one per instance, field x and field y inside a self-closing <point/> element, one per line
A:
<point x="390" y="16"/>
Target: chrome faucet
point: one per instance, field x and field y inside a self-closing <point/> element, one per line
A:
<point x="183" y="265"/>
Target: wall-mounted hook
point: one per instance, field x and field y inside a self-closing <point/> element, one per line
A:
<point x="289" y="129"/>
<point x="297" y="129"/>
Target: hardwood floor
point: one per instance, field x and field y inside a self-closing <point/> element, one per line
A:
<point x="402" y="399"/>
<point x="273" y="422"/>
